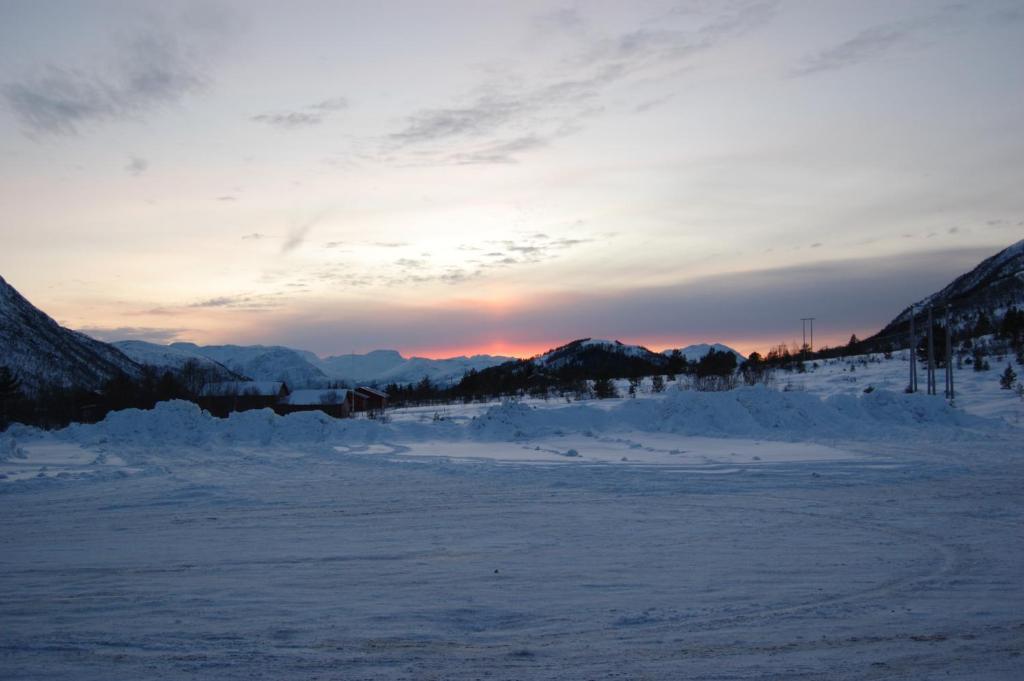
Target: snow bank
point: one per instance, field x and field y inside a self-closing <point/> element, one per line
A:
<point x="747" y="412"/>
<point x="743" y="413"/>
<point x="180" y="422"/>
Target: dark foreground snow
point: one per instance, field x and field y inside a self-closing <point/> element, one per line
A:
<point x="327" y="560"/>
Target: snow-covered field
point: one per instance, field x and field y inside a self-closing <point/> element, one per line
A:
<point x="749" y="534"/>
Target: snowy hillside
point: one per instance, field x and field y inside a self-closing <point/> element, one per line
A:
<point x="694" y="353"/>
<point x="977" y="392"/>
<point x="586" y="349"/>
<point x="991" y="287"/>
<point x="169" y="358"/>
<point x="262" y="363"/>
<point x="41" y="352"/>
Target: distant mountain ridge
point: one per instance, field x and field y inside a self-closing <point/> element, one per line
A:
<point x="42" y="353"/>
<point x="304" y="369"/>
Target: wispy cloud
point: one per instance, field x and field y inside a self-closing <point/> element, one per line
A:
<point x="526" y="250"/>
<point x="143" y="333"/>
<point x="311" y="115"/>
<point x="562" y="19"/>
<point x="334" y="104"/>
<point x="290" y="120"/>
<point x="500" y="152"/>
<point x="297" y="235"/>
<point x="156" y="66"/>
<point x="509" y="117"/>
<point x="241" y="301"/>
<point x="868" y="44"/>
<point x="875" y="42"/>
<point x="136" y="166"/>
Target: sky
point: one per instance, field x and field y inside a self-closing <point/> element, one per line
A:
<point x="452" y="178"/>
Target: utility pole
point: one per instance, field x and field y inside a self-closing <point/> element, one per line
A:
<point x="949" y="357"/>
<point x="912" y="386"/>
<point x="803" y="322"/>
<point x="931" y="354"/>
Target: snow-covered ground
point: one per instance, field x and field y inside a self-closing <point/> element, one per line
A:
<point x="750" y="534"/>
<point x="978" y="392"/>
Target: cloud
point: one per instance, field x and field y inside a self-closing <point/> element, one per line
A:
<point x="868" y="44"/>
<point x="500" y="152"/>
<point x="157" y="65"/>
<point x="507" y="117"/>
<point x="499" y="254"/>
<point x="136" y="166"/>
<point x="221" y="301"/>
<point x="532" y="249"/>
<point x="243" y="301"/>
<point x="297" y="235"/>
<point x="314" y="114"/>
<point x="335" y="104"/>
<point x="143" y="333"/>
<point x="651" y="104"/>
<point x="482" y="116"/>
<point x="877" y="41"/>
<point x="291" y="120"/>
<point x="759" y="309"/>
<point x="565" y="19"/>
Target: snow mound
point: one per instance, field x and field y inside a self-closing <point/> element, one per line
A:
<point x="757" y="413"/>
<point x="746" y="413"/>
<point x="180" y="422"/>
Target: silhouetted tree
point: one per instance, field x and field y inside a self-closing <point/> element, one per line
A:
<point x="604" y="389"/>
<point x="10" y="394"/>
<point x="1008" y="378"/>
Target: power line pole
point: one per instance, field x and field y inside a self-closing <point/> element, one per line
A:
<point x="803" y="322"/>
<point x="912" y="386"/>
<point x="949" y="357"/>
<point x="931" y="354"/>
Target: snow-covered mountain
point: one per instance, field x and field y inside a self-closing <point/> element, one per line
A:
<point x="990" y="288"/>
<point x="361" y="368"/>
<point x="43" y="353"/>
<point x="168" y="358"/>
<point x="695" y="353"/>
<point x="588" y="350"/>
<point x="262" y="362"/>
<point x="389" y="366"/>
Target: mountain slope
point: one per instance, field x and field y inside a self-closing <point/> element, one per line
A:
<point x="262" y="362"/>
<point x="389" y="366"/>
<point x="167" y="358"/>
<point x="990" y="288"/>
<point x="694" y="353"/>
<point x="43" y="353"/>
<point x="600" y="355"/>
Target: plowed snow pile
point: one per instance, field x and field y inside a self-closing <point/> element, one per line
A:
<point x="742" y="413"/>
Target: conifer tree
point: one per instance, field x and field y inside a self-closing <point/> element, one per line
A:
<point x="1008" y="378"/>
